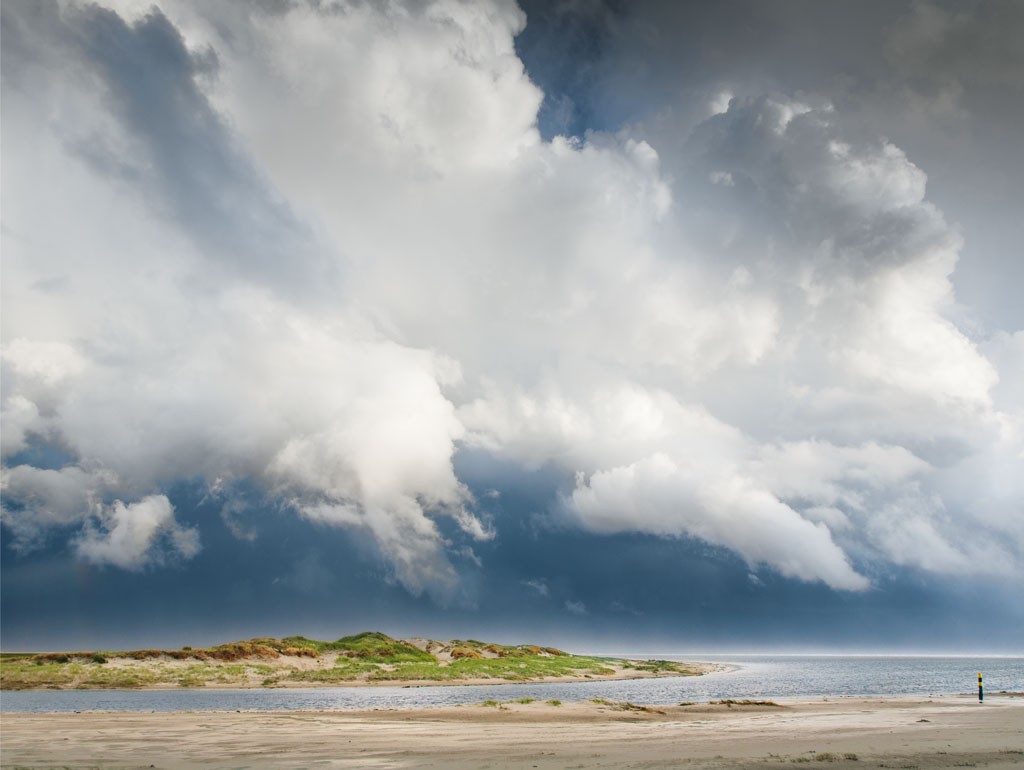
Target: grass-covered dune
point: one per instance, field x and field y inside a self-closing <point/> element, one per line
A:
<point x="295" y="661"/>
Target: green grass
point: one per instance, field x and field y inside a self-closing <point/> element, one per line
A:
<point x="343" y="672"/>
<point x="84" y="673"/>
<point x="415" y="671"/>
<point x="503" y="704"/>
<point x="508" y="669"/>
<point x="517" y="668"/>
<point x="323" y="676"/>
<point x="104" y="678"/>
<point x="27" y="674"/>
<point x="371" y="646"/>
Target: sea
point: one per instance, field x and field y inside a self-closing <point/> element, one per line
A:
<point x="758" y="677"/>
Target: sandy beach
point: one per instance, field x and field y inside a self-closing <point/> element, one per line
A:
<point x="909" y="733"/>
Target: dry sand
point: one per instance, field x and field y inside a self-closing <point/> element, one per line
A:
<point x="906" y="733"/>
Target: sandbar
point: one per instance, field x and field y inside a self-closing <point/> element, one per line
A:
<point x="851" y="733"/>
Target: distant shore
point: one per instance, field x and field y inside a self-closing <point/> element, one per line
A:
<point x="368" y="659"/>
<point x="845" y="733"/>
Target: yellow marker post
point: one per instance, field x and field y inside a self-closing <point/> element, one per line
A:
<point x="981" y="690"/>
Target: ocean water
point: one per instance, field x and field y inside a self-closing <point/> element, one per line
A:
<point x="754" y="676"/>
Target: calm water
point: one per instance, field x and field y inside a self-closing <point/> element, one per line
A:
<point x="758" y="676"/>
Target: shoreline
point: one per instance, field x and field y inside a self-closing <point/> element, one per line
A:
<point x="844" y="732"/>
<point x="621" y="675"/>
<point x="773" y="703"/>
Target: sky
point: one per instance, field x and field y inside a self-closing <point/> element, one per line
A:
<point x="646" y="326"/>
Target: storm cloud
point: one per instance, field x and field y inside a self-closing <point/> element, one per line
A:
<point x="307" y="256"/>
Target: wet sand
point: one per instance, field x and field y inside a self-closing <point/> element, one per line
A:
<point x="856" y="733"/>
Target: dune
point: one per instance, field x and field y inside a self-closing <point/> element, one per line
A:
<point x="366" y="659"/>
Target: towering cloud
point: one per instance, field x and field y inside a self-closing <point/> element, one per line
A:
<point x="317" y="250"/>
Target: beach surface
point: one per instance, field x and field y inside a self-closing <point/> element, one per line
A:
<point x="908" y="733"/>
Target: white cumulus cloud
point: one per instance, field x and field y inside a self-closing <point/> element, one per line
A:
<point x="321" y="250"/>
<point x="127" y="534"/>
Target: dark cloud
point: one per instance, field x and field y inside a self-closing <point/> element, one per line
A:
<point x="942" y="80"/>
<point x="638" y="593"/>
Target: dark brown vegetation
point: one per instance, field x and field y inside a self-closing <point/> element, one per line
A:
<point x="261" y="649"/>
<point x="730" y="703"/>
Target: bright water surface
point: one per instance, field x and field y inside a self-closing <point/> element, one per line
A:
<point x="757" y="676"/>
